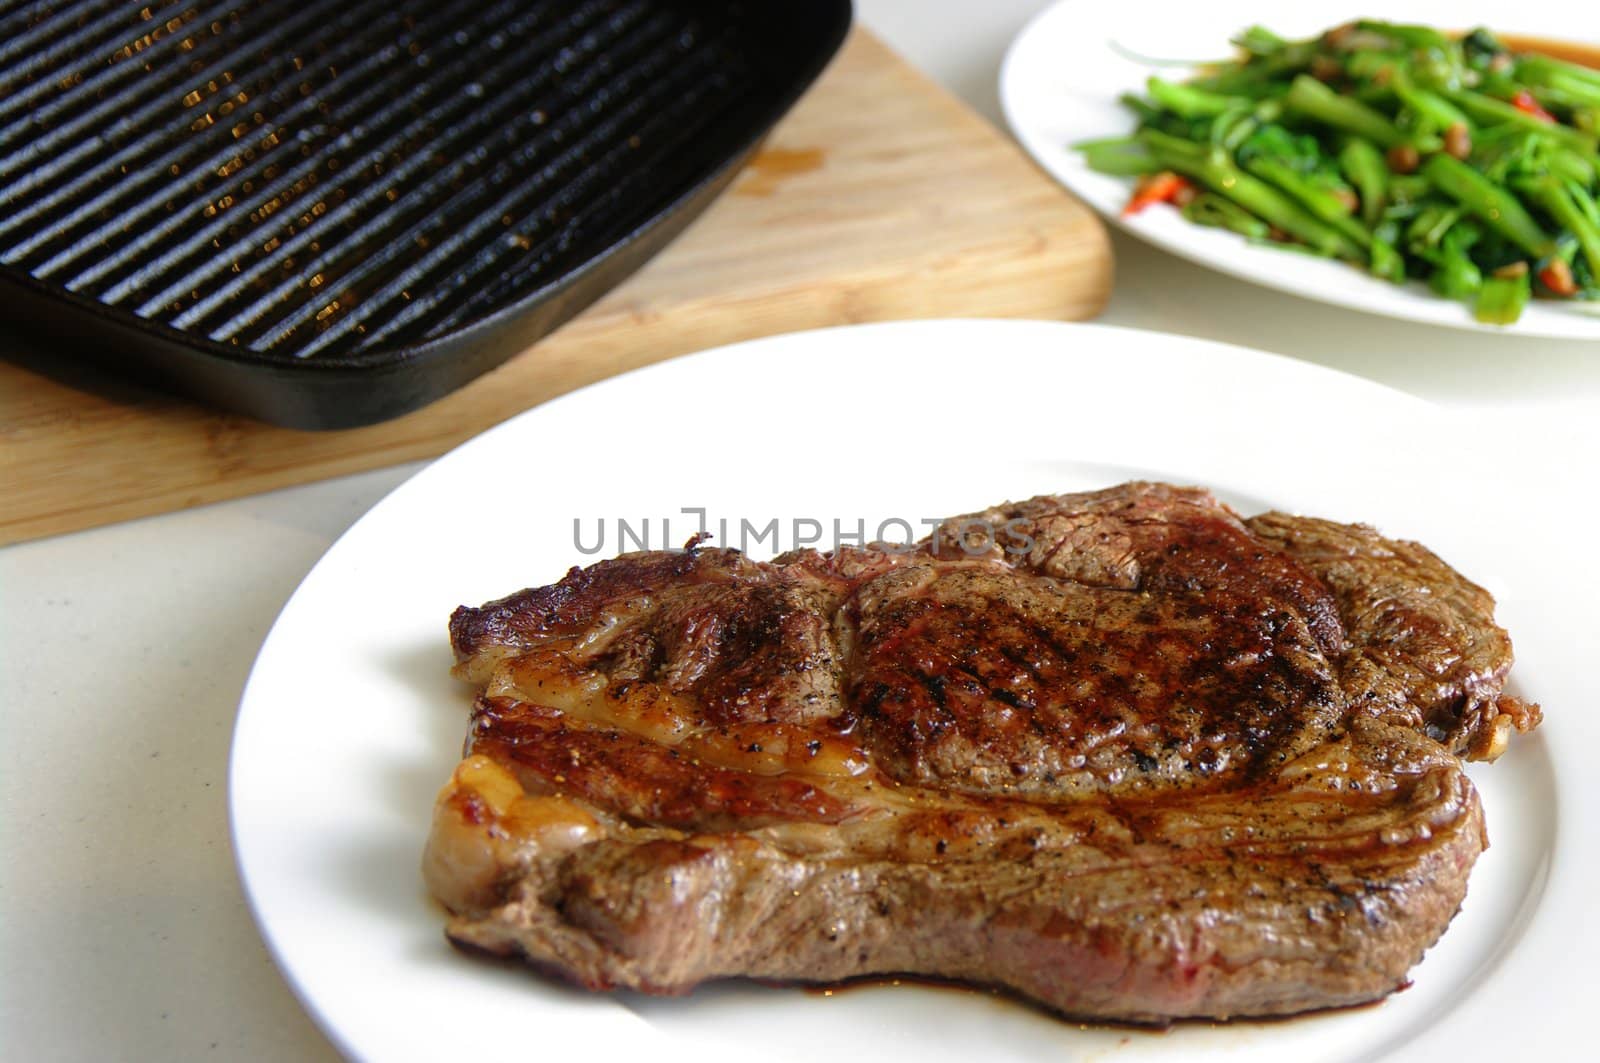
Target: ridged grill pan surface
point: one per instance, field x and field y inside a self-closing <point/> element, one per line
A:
<point x="325" y="214"/>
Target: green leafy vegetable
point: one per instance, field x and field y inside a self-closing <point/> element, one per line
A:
<point x="1413" y="152"/>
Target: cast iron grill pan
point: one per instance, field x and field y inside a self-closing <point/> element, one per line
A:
<point x="327" y="214"/>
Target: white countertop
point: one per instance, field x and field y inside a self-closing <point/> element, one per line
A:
<point x="123" y="932"/>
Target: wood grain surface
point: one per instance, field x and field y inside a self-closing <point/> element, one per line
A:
<point x="879" y="197"/>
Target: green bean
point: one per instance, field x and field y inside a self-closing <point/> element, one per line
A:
<point x="1119" y="156"/>
<point x="1385" y="261"/>
<point x="1212" y="210"/>
<point x="1554" y="100"/>
<point x="1139" y="107"/>
<point x="1589" y="204"/>
<point x="1312" y="98"/>
<point x="1363" y="166"/>
<point x="1570" y="166"/>
<point x="1501" y="299"/>
<point x="1213" y="168"/>
<point x="1427" y="230"/>
<point x="1558" y="199"/>
<point x="1233" y="128"/>
<point x="1456" y="275"/>
<point x="1370" y="66"/>
<point x="1429" y="106"/>
<point x="1409" y="188"/>
<point x="1319" y="201"/>
<point x="1121" y="163"/>
<point x="1269" y="110"/>
<point x="1190" y="102"/>
<point x="1574" y="82"/>
<point x="1488" y="109"/>
<point x="1538" y="61"/>
<point x="1497" y="207"/>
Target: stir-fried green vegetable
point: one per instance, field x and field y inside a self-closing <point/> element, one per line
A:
<point x="1411" y="152"/>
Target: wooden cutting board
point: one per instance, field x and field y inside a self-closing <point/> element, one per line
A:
<point x="879" y="197"/>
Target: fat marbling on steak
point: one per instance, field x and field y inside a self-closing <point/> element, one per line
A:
<point x="1165" y="763"/>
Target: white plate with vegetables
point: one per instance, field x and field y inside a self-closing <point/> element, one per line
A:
<point x="1390" y="168"/>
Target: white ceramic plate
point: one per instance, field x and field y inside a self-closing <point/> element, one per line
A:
<point x="1063" y="75"/>
<point x="349" y="723"/>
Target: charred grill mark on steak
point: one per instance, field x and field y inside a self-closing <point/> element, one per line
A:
<point x="1122" y="675"/>
<point x="1169" y="763"/>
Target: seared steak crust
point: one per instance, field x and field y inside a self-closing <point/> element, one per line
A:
<point x="1426" y="650"/>
<point x="1156" y="762"/>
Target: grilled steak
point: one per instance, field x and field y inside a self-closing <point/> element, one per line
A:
<point x="1135" y="758"/>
